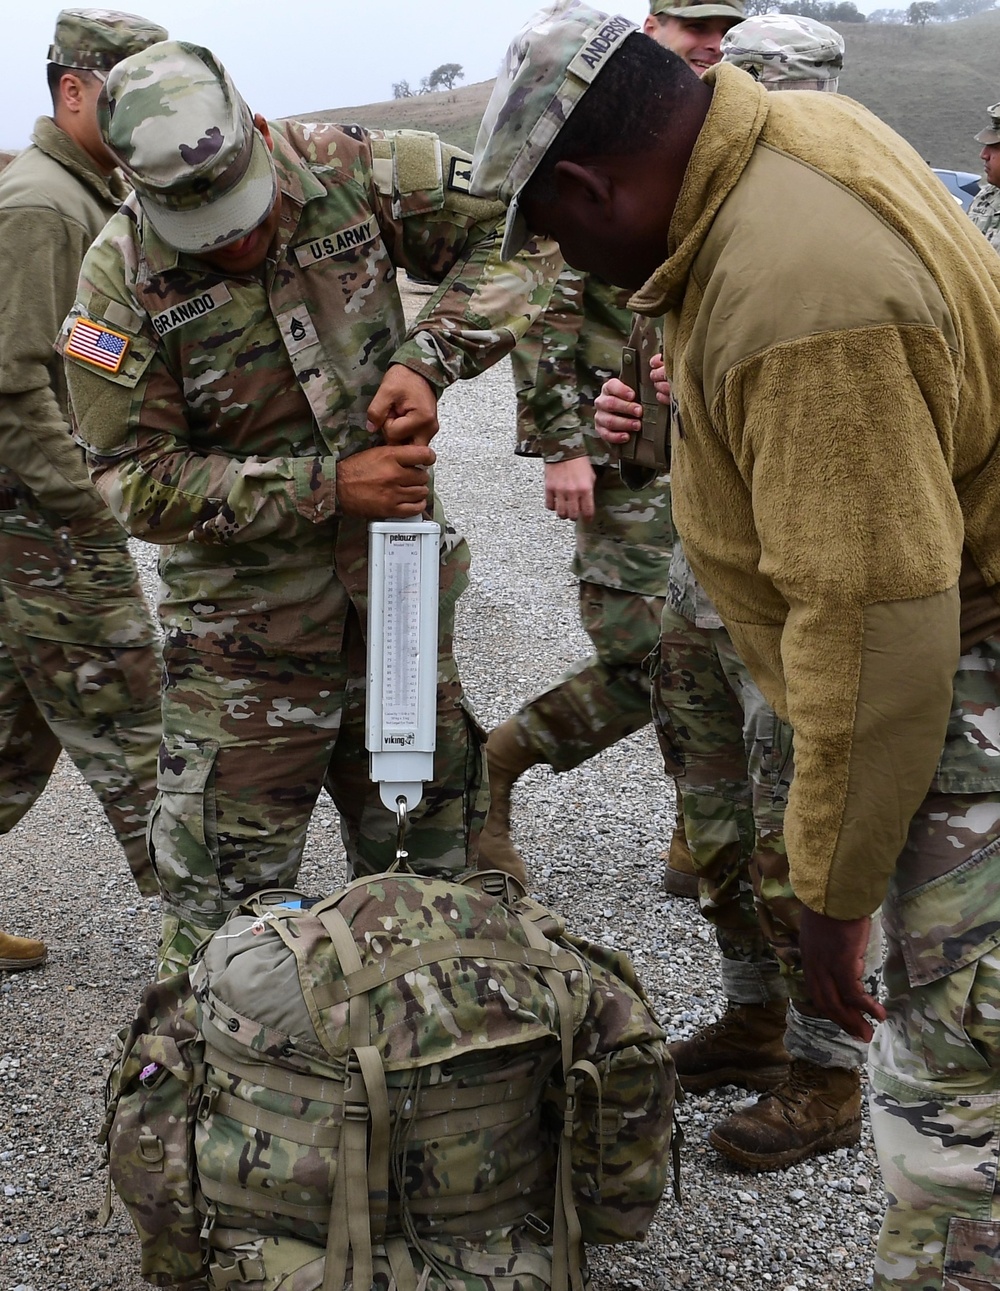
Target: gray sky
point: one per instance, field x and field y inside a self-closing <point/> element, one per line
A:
<point x="290" y="56"/>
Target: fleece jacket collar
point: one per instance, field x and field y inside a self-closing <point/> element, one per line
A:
<point x="721" y="152"/>
<point x="57" y="144"/>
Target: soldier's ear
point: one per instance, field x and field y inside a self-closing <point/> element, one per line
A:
<point x="264" y="130"/>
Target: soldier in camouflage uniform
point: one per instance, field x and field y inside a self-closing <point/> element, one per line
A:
<point x="233" y="325"/>
<point x="737" y="758"/>
<point x="835" y="480"/>
<point x="79" y="663"/>
<point x="623" y="539"/>
<point x="985" y="209"/>
<point x="693" y="29"/>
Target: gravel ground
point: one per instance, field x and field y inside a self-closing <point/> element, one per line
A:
<point x="592" y="839"/>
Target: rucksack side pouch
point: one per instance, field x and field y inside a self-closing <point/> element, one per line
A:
<point x="152" y="1096"/>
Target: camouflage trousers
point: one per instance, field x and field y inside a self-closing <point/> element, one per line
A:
<point x="935" y="1064"/>
<point x="604" y="697"/>
<point x="732" y="756"/>
<point x="249" y="742"/>
<point x="79" y="670"/>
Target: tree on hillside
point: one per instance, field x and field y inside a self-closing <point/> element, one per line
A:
<point x="754" y="8"/>
<point x="445" y="76"/>
<point x="401" y="90"/>
<point x="920" y="12"/>
<point x="887" y="15"/>
<point x="952" y="9"/>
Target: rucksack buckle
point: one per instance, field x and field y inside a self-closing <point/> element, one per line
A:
<point x="537" y="1225"/>
<point x="150" y="1148"/>
<point x="355" y="1095"/>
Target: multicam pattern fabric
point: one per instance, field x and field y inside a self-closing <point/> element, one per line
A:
<point x="985" y="213"/>
<point x="79" y="660"/>
<point x="935" y="1087"/>
<point x="434" y="1026"/>
<point x="786" y="51"/>
<point x="559" y="367"/>
<point x="96" y="39"/>
<point x="604" y="697"/>
<point x="545" y="73"/>
<point x="229" y="821"/>
<point x="219" y="439"/>
<point x="79" y="670"/>
<point x="732" y="757"/>
<point x="153" y="114"/>
<point x="621" y="552"/>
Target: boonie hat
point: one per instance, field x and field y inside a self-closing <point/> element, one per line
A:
<point x="992" y="132"/>
<point x="186" y="141"/>
<point x="785" y="51"/>
<point x="691" y="10"/>
<point x="95" y="39"/>
<point x="547" y="70"/>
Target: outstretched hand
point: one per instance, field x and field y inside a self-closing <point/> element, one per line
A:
<point x="404" y="409"/>
<point x="833" y="965"/>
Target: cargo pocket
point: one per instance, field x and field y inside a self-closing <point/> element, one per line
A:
<point x="671" y="748"/>
<point x="972" y="1255"/>
<point x="940" y="1036"/>
<point x="183" y="829"/>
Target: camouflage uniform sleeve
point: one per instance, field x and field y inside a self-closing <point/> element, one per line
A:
<point x="546" y="380"/>
<point x="133" y="427"/>
<point x="441" y="232"/>
<point x="985" y="214"/>
<point x="35" y="439"/>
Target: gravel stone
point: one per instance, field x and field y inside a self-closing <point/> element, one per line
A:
<point x="592" y="840"/>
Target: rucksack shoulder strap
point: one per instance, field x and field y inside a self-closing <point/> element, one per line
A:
<point x="361" y="1189"/>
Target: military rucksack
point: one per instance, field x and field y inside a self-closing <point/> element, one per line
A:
<point x="412" y="1084"/>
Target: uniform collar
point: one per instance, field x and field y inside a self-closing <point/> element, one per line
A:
<point x="57" y="144"/>
<point x="721" y="152"/>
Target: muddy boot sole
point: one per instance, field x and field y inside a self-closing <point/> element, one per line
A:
<point x="761" y="1080"/>
<point x="843" y="1136"/>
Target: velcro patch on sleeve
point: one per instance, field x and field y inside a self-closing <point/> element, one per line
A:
<point x="93" y="343"/>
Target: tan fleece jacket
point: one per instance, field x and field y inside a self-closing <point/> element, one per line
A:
<point x="53" y="203"/>
<point x="833" y="334"/>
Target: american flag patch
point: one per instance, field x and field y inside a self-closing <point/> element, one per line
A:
<point x="97" y="344"/>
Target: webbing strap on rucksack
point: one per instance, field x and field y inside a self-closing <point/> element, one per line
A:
<point x="361" y="1188"/>
<point x="567" y="1234"/>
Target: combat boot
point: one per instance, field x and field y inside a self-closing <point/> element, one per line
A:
<point x="680" y="874"/>
<point x="507" y="757"/>
<point x="745" y="1047"/>
<point x="20" y="952"/>
<point x="815" y="1110"/>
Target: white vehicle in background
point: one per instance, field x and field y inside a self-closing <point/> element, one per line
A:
<point x="962" y="184"/>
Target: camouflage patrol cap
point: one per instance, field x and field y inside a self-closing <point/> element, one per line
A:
<point x="693" y="10"/>
<point x="547" y="70"/>
<point x="785" y="51"/>
<point x="96" y="39"/>
<point x="992" y="132"/>
<point x="186" y="140"/>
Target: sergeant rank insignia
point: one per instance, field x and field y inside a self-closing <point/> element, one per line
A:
<point x="94" y="343"/>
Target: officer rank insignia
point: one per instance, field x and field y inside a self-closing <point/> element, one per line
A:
<point x="94" y="343"/>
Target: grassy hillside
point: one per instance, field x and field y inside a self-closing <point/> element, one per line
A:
<point x="932" y="84"/>
<point x="453" y="114"/>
